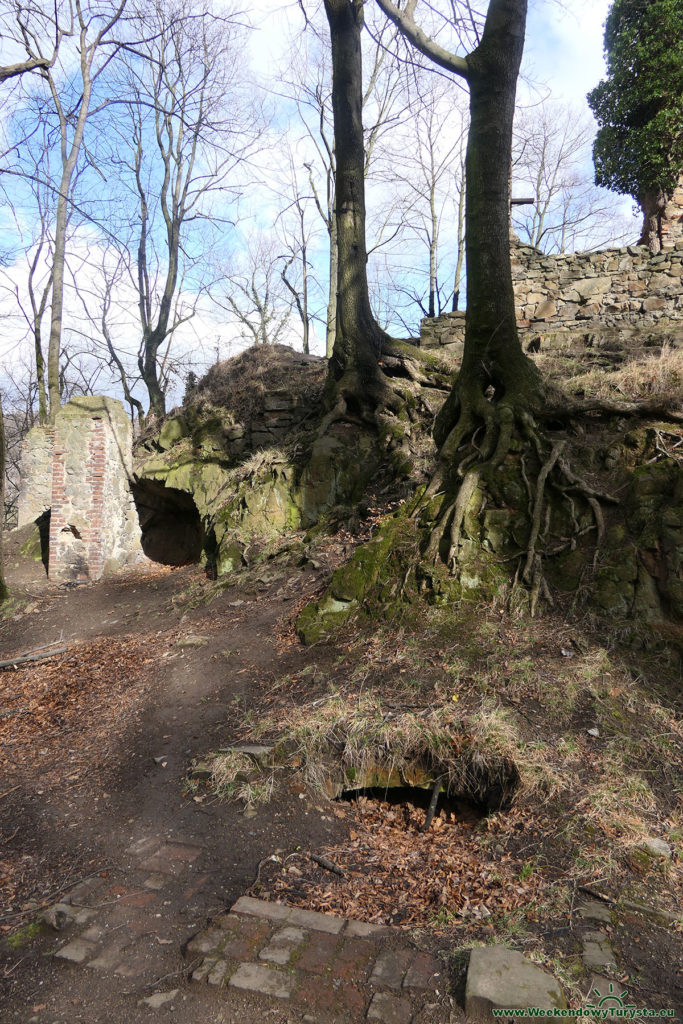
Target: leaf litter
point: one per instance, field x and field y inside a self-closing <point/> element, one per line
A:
<point x="396" y="874"/>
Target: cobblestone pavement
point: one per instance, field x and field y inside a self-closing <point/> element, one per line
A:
<point x="314" y="967"/>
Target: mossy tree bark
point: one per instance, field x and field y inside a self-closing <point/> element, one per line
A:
<point x="355" y="375"/>
<point x="497" y="383"/>
<point x="3" y="588"/>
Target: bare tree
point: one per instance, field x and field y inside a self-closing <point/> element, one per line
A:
<point x="32" y="292"/>
<point x="258" y="295"/>
<point x="3" y="587"/>
<point x="551" y="150"/>
<point x="427" y="160"/>
<point x="354" y="366"/>
<point x="186" y="129"/>
<point x="100" y="299"/>
<point x="20" y="25"/>
<point x="70" y="97"/>
<point x="382" y="104"/>
<point x="296" y="261"/>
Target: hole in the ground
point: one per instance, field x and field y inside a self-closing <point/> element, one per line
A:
<point x="172" y="530"/>
<point x="449" y="806"/>
<point x="485" y="780"/>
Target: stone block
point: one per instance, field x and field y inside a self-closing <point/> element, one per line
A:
<point x="595" y="911"/>
<point x="77" y="951"/>
<point x="283" y="945"/>
<point x="545" y="309"/>
<point x="318" y="922"/>
<point x="592" y="286"/>
<point x="159" y="999"/>
<point x="390" y="1009"/>
<point x="424" y="972"/>
<point x="216" y="975"/>
<point x="261" y="908"/>
<point x="390" y="968"/>
<point x="362" y="929"/>
<point x="202" y="972"/>
<point x="657" y="848"/>
<point x="279" y="402"/>
<point x="499" y="978"/>
<point x="269" y="982"/>
<point x="173" y="430"/>
<point x="206" y="941"/>
<point x="598" y="956"/>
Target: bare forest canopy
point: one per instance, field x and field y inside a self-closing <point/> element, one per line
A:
<point x="167" y="201"/>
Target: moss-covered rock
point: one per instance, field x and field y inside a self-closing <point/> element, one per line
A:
<point x="173" y="430"/>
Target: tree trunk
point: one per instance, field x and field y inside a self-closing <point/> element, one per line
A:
<point x="331" y="326"/>
<point x="3" y="588"/>
<point x="492" y="356"/>
<point x="40" y="375"/>
<point x="491" y="339"/>
<point x="58" y="265"/>
<point x="359" y="339"/>
<point x="149" y="371"/>
<point x="653" y="205"/>
<point x="433" y="243"/>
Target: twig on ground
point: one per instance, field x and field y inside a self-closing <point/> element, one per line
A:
<point x="436" y="789"/>
<point x="329" y="865"/>
<point x="593" y="892"/>
<point x="22" y="659"/>
<point x="44" y="647"/>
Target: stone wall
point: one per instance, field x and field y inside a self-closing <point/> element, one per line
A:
<point x="616" y="287"/>
<point x="623" y="290"/>
<point x="80" y="472"/>
<point x="671" y="224"/>
<point x="35" y="486"/>
<point x="282" y="412"/>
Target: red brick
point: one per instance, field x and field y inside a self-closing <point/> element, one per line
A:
<point x="318" y="954"/>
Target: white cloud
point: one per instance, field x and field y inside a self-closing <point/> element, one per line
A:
<point x="564" y="46"/>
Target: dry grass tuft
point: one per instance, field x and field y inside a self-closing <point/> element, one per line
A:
<point x="240" y="384"/>
<point x="235" y="777"/>
<point x="644" y="377"/>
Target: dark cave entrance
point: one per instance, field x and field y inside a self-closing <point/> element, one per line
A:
<point x="172" y="529"/>
<point x="43" y="524"/>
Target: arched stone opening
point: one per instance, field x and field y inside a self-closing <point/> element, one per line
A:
<point x="172" y="529"/>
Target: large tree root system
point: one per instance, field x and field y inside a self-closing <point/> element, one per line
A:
<point x="479" y="434"/>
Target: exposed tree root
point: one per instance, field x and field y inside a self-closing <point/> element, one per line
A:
<point x="371" y="395"/>
<point x="483" y="434"/>
<point x="653" y="408"/>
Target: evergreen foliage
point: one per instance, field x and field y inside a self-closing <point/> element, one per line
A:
<point x="639" y="105"/>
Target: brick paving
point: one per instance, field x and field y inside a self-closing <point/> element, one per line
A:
<point x="323" y="969"/>
<point x="346" y="970"/>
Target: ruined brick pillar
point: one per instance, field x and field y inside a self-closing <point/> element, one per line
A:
<point x="80" y="472"/>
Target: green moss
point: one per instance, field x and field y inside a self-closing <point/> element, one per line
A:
<point x="173" y="430"/>
<point x="31" y="548"/>
<point x="24" y="935"/>
<point x="566" y="570"/>
<point x="320" y="620"/>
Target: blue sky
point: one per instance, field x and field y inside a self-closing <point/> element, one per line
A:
<point x="563" y="54"/>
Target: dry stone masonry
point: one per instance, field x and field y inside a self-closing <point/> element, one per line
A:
<point x="618" y="287"/>
<point x="80" y="472"/>
<point x="561" y="299"/>
<point x="35" y="492"/>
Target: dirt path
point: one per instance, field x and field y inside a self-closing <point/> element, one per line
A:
<point x="152" y="864"/>
<point x="162" y="668"/>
